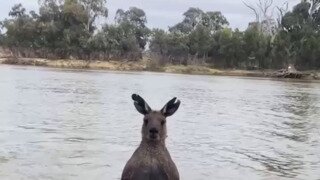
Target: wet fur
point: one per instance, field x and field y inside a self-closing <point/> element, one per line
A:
<point x="151" y="160"/>
<point x="150" y="163"/>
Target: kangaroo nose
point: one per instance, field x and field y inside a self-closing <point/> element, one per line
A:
<point x="153" y="131"/>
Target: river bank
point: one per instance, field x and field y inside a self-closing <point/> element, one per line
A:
<point x="145" y="65"/>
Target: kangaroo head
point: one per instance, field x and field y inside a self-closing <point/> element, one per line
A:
<point x="154" y="122"/>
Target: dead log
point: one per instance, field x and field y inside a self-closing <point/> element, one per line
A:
<point x="289" y="72"/>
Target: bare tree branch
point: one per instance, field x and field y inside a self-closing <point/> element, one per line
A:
<point x="254" y="10"/>
<point x="264" y="7"/>
<point x="281" y="11"/>
<point x="268" y="6"/>
<point x="314" y="6"/>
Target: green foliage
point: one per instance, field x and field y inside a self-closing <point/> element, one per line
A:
<point x="228" y="48"/>
<point x="194" y="17"/>
<point x="67" y="28"/>
<point x="126" y="39"/>
<point x="296" y="40"/>
<point x="133" y="23"/>
<point x="92" y="10"/>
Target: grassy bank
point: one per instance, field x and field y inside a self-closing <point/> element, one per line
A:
<point x="143" y="65"/>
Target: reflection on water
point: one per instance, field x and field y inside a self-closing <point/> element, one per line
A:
<point x="62" y="124"/>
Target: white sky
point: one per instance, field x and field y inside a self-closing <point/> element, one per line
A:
<point x="165" y="13"/>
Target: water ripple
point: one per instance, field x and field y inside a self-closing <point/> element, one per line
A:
<point x="61" y="124"/>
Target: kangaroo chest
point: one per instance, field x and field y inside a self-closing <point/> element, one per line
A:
<point x="153" y="172"/>
<point x="153" y="166"/>
<point x="150" y="164"/>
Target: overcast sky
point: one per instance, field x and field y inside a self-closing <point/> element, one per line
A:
<point x="164" y="13"/>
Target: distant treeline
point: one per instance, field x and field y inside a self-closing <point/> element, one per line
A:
<point x="68" y="29"/>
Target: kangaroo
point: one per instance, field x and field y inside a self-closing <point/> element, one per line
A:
<point x="151" y="160"/>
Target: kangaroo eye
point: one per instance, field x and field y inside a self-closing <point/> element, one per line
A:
<point x="146" y="121"/>
<point x="163" y="122"/>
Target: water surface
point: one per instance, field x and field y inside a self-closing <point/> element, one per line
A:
<point x="67" y="124"/>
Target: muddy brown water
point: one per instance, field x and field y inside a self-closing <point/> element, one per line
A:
<point x="71" y="124"/>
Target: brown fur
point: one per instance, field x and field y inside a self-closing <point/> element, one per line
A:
<point x="151" y="160"/>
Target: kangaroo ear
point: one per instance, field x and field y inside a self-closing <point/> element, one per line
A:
<point x="140" y="104"/>
<point x="171" y="107"/>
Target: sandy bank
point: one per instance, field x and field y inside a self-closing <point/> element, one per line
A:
<point x="143" y="65"/>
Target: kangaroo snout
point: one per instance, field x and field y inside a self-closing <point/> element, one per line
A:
<point x="153" y="131"/>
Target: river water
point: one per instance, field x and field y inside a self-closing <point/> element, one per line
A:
<point x="70" y="124"/>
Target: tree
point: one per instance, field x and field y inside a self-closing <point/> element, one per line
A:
<point x="158" y="42"/>
<point x="94" y="9"/>
<point x="17" y="11"/>
<point x="263" y="11"/>
<point x="1" y="35"/>
<point x="133" y="21"/>
<point x="215" y="21"/>
<point x="67" y="29"/>
<point x="199" y="42"/>
<point x="21" y="30"/>
<point x="192" y="17"/>
<point x="299" y="35"/>
<point x="257" y="47"/>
